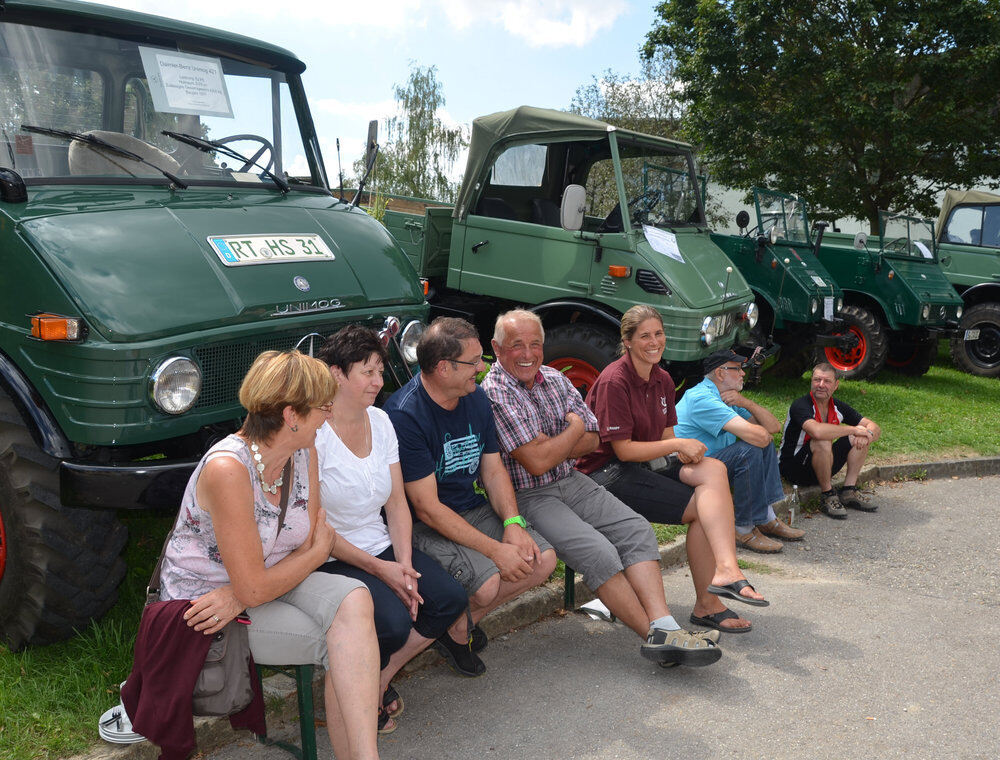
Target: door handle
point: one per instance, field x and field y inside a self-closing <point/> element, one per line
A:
<point x="480" y="244"/>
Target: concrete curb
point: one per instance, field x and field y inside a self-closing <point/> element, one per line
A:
<point x="279" y="690"/>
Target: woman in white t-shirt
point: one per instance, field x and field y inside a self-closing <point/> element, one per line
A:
<point x="359" y="477"/>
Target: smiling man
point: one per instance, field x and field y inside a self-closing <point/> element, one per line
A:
<point x="543" y="426"/>
<point x="821" y="435"/>
<point x="458" y="486"/>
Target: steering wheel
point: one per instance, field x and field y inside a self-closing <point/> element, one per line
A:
<point x="900" y="244"/>
<point x="264" y="146"/>
<point x="639" y="208"/>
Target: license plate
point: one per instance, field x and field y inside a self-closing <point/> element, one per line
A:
<point x="241" y="250"/>
<point x="828" y="308"/>
<point x="972" y="334"/>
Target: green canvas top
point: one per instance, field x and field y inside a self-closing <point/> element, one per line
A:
<point x="954" y="198"/>
<point x="491" y="132"/>
<point x="103" y="18"/>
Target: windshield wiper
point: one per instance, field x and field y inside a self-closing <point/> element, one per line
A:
<point x="97" y="142"/>
<point x="210" y="146"/>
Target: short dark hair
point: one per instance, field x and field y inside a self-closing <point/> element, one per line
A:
<point x="442" y="341"/>
<point x="828" y="369"/>
<point x="352" y="344"/>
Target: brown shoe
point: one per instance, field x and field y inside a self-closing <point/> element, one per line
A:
<point x="756" y="541"/>
<point x="781" y="530"/>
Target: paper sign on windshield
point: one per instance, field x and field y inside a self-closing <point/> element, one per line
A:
<point x="186" y="83"/>
<point x="924" y="250"/>
<point x="663" y="242"/>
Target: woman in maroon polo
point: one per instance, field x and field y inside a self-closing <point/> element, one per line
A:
<point x="666" y="479"/>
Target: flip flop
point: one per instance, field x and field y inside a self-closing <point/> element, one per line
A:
<point x="715" y="621"/>
<point x="732" y="591"/>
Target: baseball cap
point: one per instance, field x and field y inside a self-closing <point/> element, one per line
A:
<point x="718" y="358"/>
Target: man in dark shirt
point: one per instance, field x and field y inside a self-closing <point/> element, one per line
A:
<point x="458" y="485"/>
<point x="821" y="435"/>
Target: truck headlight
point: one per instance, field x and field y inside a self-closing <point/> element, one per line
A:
<point x="175" y="385"/>
<point x="409" y="339"/>
<point x="709" y="330"/>
<point x="840" y="304"/>
<point x="752" y="315"/>
<point x="813" y="305"/>
<point x="958" y="313"/>
<point x="925" y="312"/>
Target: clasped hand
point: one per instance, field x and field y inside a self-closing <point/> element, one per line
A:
<point x="402" y="579"/>
<point x="516" y="555"/>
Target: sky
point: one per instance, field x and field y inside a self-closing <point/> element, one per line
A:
<point x="491" y="55"/>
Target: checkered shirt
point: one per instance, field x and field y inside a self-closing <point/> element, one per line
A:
<point x="521" y="414"/>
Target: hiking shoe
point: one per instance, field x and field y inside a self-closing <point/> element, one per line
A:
<point x="830" y="504"/>
<point x="679" y="647"/>
<point x="852" y="498"/>
<point x="460" y="656"/>
<point x="478" y="639"/>
<point x="756" y="541"/>
<point x="782" y="530"/>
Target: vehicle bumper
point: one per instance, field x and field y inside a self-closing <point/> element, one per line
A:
<point x="156" y="485"/>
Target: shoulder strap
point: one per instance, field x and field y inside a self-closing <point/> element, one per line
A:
<point x="153" y="588"/>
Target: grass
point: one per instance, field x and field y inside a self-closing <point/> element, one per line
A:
<point x="51" y="697"/>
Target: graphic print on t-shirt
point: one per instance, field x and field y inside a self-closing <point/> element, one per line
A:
<point x="460" y="454"/>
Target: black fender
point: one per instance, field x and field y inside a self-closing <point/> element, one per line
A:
<point x="984" y="291"/>
<point x="595" y="312"/>
<point x="45" y="431"/>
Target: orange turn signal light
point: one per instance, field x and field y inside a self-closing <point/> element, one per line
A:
<point x="427" y="285"/>
<point x="618" y="270"/>
<point x="53" y="327"/>
<point x="891" y="274"/>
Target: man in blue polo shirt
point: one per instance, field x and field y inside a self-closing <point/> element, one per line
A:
<point x="738" y="432"/>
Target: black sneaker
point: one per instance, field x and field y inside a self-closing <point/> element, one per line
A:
<point x="679" y="647"/>
<point x="460" y="656"/>
<point x="478" y="639"/>
<point x="852" y="498"/>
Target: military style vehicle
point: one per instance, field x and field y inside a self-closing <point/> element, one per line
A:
<point x="578" y="221"/>
<point x="164" y="217"/>
<point x="798" y="300"/>
<point x="969" y="247"/>
<point x="897" y="301"/>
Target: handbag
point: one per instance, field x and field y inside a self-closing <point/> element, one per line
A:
<point x="224" y="685"/>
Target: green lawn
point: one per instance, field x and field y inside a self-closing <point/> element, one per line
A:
<point x="51" y="697"/>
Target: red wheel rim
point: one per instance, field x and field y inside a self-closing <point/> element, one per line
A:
<point x="3" y="548"/>
<point x="580" y="373"/>
<point x="848" y="360"/>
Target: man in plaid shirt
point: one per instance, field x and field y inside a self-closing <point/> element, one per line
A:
<point x="543" y="426"/>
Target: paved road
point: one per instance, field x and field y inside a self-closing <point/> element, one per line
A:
<point x="881" y="641"/>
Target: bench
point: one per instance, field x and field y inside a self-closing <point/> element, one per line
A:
<point x="303" y="677"/>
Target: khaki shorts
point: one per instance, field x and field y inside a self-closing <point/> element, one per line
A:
<point x="467" y="566"/>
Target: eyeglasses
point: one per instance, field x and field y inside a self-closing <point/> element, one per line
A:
<point x="740" y="369"/>
<point x="476" y="363"/>
<point x="325" y="408"/>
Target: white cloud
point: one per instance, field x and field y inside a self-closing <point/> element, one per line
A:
<point x="540" y="23"/>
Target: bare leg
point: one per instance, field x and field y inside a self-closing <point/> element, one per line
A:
<point x="495" y="592"/>
<point x="647" y="581"/>
<point x="822" y="463"/>
<point x="619" y="597"/>
<point x="701" y="560"/>
<point x="712" y="507"/>
<point x="415" y="644"/>
<point x="855" y="461"/>
<point x="351" y="684"/>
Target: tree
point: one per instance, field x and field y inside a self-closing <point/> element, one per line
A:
<point x="420" y="150"/>
<point x="858" y="105"/>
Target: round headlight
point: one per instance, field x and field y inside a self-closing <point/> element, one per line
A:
<point x="926" y="311"/>
<point x="958" y="313"/>
<point x="709" y="330"/>
<point x="840" y="304"/>
<point x="813" y="305"/>
<point x="175" y="385"/>
<point x="752" y="314"/>
<point x="409" y="339"/>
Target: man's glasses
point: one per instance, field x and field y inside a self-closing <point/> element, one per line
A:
<point x="474" y="363"/>
<point x="734" y="368"/>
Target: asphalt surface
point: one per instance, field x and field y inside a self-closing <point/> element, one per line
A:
<point x="880" y="641"/>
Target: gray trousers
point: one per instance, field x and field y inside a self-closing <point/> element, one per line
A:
<point x="591" y="530"/>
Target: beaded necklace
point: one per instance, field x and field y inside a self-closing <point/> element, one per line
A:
<point x="273" y="487"/>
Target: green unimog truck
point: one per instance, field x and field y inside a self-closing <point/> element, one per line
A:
<point x="897" y="300"/>
<point x="578" y="220"/>
<point x="153" y="241"/>
<point x="798" y="300"/>
<point x="969" y="246"/>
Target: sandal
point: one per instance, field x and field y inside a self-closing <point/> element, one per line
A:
<point x="732" y="591"/>
<point x="715" y="621"/>
<point x="390" y="696"/>
<point x="386" y="725"/>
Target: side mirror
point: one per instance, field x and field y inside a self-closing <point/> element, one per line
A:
<point x="372" y="142"/>
<point x="742" y="220"/>
<point x="574" y="202"/>
<point x="861" y="241"/>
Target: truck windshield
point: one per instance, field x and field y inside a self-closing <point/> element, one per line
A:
<point x="129" y="92"/>
<point x="784" y="212"/>
<point x="907" y="236"/>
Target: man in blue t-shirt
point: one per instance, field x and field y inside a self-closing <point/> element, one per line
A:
<point x="458" y="486"/>
<point x="738" y="432"/>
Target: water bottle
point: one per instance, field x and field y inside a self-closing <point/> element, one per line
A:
<point x="793" y="505"/>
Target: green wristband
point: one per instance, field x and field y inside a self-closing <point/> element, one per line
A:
<point x="515" y="520"/>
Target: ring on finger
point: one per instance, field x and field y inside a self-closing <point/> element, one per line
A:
<point x="216" y="618"/>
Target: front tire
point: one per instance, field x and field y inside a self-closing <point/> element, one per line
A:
<point x="868" y="356"/>
<point x="59" y="567"/>
<point x="911" y="356"/>
<point x="580" y="351"/>
<point x="979" y="357"/>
